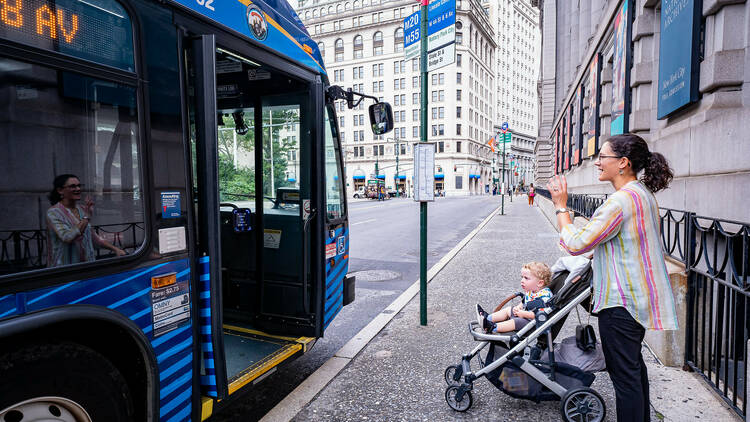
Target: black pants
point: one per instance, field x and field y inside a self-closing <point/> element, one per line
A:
<point x="621" y="342"/>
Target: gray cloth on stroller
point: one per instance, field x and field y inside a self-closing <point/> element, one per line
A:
<point x="567" y="352"/>
<point x="517" y="383"/>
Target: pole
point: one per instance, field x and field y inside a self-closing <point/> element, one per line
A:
<point x="270" y="132"/>
<point x="423" y="138"/>
<point x="502" y="198"/>
<point x="398" y="181"/>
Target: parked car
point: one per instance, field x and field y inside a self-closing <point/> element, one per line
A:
<point x="360" y="193"/>
<point x="391" y="192"/>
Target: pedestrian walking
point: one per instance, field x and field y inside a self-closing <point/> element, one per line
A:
<point x="631" y="286"/>
<point x="532" y="192"/>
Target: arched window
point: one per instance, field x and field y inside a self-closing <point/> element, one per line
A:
<point x="377" y="44"/>
<point x="322" y="11"/>
<point x="307" y="15"/>
<point x="359" y="46"/>
<point x="398" y="40"/>
<point x="348" y="6"/>
<point x="339" y="50"/>
<point x="315" y="13"/>
<point x="322" y="48"/>
<point x="330" y="9"/>
<point x="356" y="4"/>
<point x="339" y="8"/>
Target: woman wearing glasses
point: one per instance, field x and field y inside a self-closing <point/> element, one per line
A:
<point x="70" y="239"/>
<point x="631" y="286"/>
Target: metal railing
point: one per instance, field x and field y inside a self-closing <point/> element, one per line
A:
<point x="716" y="255"/>
<point x="24" y="250"/>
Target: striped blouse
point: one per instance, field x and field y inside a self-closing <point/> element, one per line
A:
<point x="629" y="267"/>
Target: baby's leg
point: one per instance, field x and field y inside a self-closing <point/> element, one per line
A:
<point x="501" y="315"/>
<point x="505" y="326"/>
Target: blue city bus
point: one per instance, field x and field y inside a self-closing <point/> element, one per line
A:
<point x="173" y="223"/>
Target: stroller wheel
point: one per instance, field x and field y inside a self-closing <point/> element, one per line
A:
<point x="450" y="374"/>
<point x="460" y="406"/>
<point x="582" y="404"/>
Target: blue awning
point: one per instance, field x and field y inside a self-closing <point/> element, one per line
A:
<point x="381" y="176"/>
<point x="439" y="175"/>
<point x="291" y="179"/>
<point x="400" y="177"/>
<point x="358" y="177"/>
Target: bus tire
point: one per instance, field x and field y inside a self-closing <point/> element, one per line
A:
<point x="68" y="372"/>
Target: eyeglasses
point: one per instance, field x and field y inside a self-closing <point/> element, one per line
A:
<point x="599" y="158"/>
<point x="78" y="186"/>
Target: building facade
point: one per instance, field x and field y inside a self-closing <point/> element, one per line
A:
<point x="675" y="73"/>
<point x="362" y="46"/>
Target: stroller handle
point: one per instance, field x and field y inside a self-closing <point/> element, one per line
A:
<point x="506" y="300"/>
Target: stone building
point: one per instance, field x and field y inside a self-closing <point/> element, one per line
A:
<point x="686" y="90"/>
<point x="362" y="45"/>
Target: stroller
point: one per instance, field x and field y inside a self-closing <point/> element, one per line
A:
<point x="514" y="362"/>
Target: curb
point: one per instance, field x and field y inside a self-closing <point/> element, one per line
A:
<point x="288" y="408"/>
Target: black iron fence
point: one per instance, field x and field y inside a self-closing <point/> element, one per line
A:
<point x="24" y="250"/>
<point x="716" y="255"/>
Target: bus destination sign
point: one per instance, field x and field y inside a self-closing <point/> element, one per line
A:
<point x="99" y="32"/>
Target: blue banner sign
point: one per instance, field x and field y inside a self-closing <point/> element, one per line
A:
<point x="440" y="15"/>
<point x="678" y="55"/>
<point x="411" y="35"/>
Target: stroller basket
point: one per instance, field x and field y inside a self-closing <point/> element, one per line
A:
<point x="516" y="383"/>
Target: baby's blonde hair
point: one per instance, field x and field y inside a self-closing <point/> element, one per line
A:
<point x="540" y="270"/>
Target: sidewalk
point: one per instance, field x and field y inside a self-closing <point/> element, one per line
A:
<point x="399" y="374"/>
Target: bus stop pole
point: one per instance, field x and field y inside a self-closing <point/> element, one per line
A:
<point x="423" y="138"/>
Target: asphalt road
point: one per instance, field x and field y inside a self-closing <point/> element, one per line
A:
<point x="384" y="255"/>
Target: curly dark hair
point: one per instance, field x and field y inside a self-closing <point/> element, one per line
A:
<point x="58" y="183"/>
<point x="657" y="174"/>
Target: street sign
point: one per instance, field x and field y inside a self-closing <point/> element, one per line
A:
<point x="424" y="171"/>
<point x="441" y="24"/>
<point x="411" y="36"/>
<point x="506" y="138"/>
<point x="441" y="34"/>
<point x="441" y="57"/>
<point x="504" y="127"/>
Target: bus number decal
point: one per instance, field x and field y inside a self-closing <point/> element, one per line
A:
<point x="207" y="4"/>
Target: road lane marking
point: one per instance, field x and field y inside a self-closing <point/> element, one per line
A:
<point x="295" y="401"/>
<point x="366" y="221"/>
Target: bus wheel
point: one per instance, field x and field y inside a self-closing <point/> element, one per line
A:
<point x="62" y="382"/>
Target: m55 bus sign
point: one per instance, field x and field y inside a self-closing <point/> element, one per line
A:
<point x="441" y="34"/>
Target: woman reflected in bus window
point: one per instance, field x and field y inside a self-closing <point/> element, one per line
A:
<point x="70" y="239"/>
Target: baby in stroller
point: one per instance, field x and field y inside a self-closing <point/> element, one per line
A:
<point x="535" y="277"/>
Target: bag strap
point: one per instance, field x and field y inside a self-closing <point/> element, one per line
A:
<point x="579" y="316"/>
<point x="591" y="301"/>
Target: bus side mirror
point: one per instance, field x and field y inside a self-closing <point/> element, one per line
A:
<point x="381" y="118"/>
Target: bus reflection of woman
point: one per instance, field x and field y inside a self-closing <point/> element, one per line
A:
<point x="70" y="239"/>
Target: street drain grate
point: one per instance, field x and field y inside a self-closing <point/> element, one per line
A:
<point x="376" y="275"/>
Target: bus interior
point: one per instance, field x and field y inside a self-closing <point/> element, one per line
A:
<point x="267" y="305"/>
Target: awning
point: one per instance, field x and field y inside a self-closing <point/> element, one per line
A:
<point x="473" y="176"/>
<point x="439" y="175"/>
<point x="400" y="177"/>
<point x="381" y="176"/>
<point x="355" y="177"/>
<point x="291" y="179"/>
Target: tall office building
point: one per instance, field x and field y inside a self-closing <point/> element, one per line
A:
<point x="518" y="40"/>
<point x="362" y="45"/>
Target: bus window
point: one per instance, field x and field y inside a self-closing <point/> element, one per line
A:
<point x="237" y="158"/>
<point x="72" y="191"/>
<point x="281" y="156"/>
<point x="334" y="186"/>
